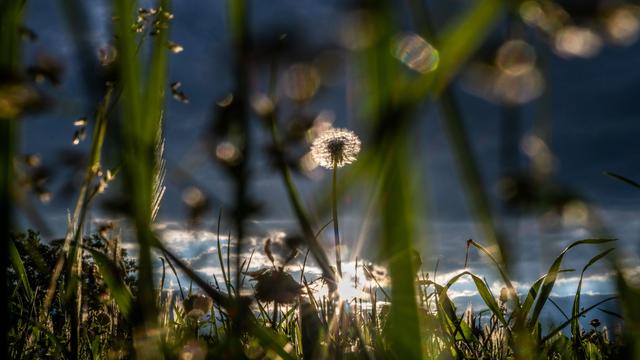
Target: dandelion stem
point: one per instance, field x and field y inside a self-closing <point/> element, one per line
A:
<point x="336" y="230"/>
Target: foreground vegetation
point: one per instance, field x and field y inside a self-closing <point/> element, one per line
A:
<point x="83" y="297"/>
<point x="284" y="317"/>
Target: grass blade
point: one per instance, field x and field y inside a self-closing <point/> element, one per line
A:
<point x="18" y="265"/>
<point x="575" y="324"/>
<point x="397" y="245"/>
<point x="623" y="179"/>
<point x="566" y="323"/>
<point x="503" y="274"/>
<point x="112" y="277"/>
<point x="552" y="275"/>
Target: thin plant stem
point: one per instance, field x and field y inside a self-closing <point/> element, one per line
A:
<point x="295" y="201"/>
<point x="336" y="228"/>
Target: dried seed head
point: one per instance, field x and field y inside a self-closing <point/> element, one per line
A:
<point x="337" y="147"/>
<point x="174" y="47"/>
<point x="278" y="286"/>
<point x="196" y="305"/>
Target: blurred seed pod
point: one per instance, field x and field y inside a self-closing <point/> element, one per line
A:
<point x="278" y="286"/>
<point x="102" y="319"/>
<point x="46" y="68"/>
<point x="196" y="305"/>
<point x="174" y="47"/>
<point x="19" y="97"/>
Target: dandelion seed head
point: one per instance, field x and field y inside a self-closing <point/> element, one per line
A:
<point x="335" y="146"/>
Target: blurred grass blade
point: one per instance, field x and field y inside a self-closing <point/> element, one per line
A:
<point x="141" y="111"/>
<point x="114" y="280"/>
<point x="629" y="298"/>
<point x="397" y="246"/>
<point x="456" y="44"/>
<point x="272" y="341"/>
<point x="460" y="40"/>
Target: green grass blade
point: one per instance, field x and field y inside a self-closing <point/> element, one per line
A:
<point x="489" y="300"/>
<point x="18" y="265"/>
<point x="271" y="340"/>
<point x="503" y="273"/>
<point x="575" y="324"/>
<point x="115" y="282"/>
<point x="525" y="307"/>
<point x="629" y="298"/>
<point x="552" y="275"/>
<point x="456" y="45"/>
<point x="581" y="313"/>
<point x="397" y="246"/>
<point x="484" y="293"/>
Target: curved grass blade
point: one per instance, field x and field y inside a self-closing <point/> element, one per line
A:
<point x="612" y="313"/>
<point x="623" y="179"/>
<point x="566" y="323"/>
<point x="243" y="314"/>
<point x="457" y="45"/>
<point x="521" y="314"/>
<point x="575" y="323"/>
<point x="503" y="273"/>
<point x="552" y="275"/>
<point x="18" y="265"/>
<point x="446" y="314"/>
<point x="485" y="294"/>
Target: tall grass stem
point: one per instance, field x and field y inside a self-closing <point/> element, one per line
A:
<point x="334" y="210"/>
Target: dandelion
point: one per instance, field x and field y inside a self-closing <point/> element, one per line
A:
<point x="332" y="149"/>
<point x="335" y="147"/>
